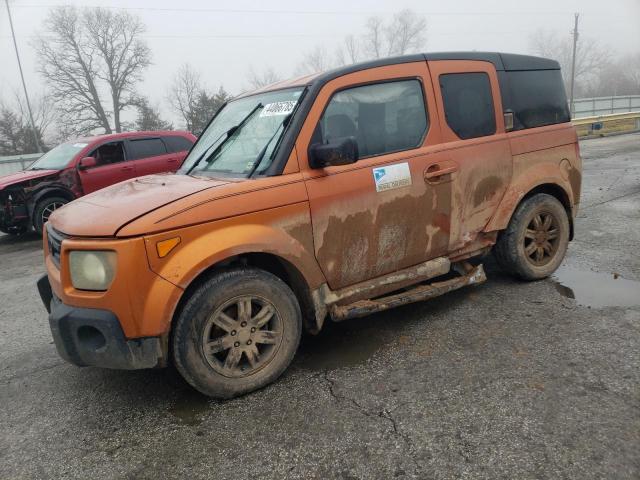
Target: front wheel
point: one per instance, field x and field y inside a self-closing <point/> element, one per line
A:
<point x="238" y="332"/>
<point x="43" y="210"/>
<point x="536" y="239"/>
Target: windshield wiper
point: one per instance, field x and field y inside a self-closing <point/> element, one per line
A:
<point x="262" y="153"/>
<point x="228" y="134"/>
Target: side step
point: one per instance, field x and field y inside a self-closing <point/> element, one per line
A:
<point x="473" y="276"/>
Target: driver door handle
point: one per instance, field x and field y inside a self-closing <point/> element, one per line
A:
<point x="435" y="171"/>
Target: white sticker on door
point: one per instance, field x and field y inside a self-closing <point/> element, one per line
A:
<point x="278" y="108"/>
<point x="392" y="176"/>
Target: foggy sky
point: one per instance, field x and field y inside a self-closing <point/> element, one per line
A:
<point x="223" y="45"/>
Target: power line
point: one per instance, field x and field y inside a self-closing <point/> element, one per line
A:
<point x="305" y="12"/>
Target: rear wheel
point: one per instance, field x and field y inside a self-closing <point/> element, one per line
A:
<point x="536" y="239"/>
<point x="44" y="209"/>
<point x="238" y="332"/>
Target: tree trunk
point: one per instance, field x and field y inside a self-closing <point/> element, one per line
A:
<point x="116" y="113"/>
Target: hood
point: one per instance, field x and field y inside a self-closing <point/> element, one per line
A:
<point x="103" y="213"/>
<point x="23" y="176"/>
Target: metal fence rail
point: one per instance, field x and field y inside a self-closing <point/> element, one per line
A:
<point x="16" y="163"/>
<point x="591" y="107"/>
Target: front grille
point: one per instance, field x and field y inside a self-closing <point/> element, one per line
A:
<point x="54" y="239"/>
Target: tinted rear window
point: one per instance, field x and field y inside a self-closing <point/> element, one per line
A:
<point x="177" y="144"/>
<point x="536" y="97"/>
<point x="146" y="147"/>
<point x="468" y="104"/>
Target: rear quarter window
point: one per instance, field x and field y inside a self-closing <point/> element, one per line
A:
<point x="468" y="104"/>
<point x="536" y="98"/>
<point x="146" y="147"/>
<point x="177" y="144"/>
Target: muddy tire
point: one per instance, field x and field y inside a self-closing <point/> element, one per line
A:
<point x="44" y="208"/>
<point x="536" y="239"/>
<point x="237" y="332"/>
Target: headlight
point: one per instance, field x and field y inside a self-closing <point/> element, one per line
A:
<point x="92" y="269"/>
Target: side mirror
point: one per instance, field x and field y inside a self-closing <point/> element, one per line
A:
<point x="341" y="151"/>
<point x="87" y="162"/>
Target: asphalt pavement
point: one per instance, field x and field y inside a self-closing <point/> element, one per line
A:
<point x="504" y="380"/>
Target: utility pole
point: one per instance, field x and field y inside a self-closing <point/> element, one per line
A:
<point x="24" y="85"/>
<point x="573" y="61"/>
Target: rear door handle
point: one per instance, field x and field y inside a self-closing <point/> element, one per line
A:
<point x="126" y="168"/>
<point x="435" y="171"/>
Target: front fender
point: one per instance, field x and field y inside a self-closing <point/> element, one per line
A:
<point x="284" y="232"/>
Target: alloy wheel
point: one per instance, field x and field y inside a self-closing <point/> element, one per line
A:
<point x="541" y="238"/>
<point x="242" y="336"/>
<point x="49" y="209"/>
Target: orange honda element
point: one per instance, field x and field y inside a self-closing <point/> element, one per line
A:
<point x="329" y="196"/>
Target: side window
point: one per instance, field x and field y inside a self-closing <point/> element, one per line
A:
<point x="385" y="117"/>
<point x="536" y="98"/>
<point x="146" y="147"/>
<point x="468" y="104"/>
<point x="108" y="154"/>
<point x="177" y="144"/>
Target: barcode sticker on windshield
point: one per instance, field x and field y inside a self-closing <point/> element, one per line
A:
<point x="80" y="145"/>
<point x="278" y="108"/>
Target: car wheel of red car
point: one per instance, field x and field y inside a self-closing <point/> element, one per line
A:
<point x="44" y="209"/>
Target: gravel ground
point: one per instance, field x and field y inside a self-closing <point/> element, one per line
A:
<point x="504" y="380"/>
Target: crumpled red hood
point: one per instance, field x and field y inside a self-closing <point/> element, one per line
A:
<point x="103" y="213"/>
<point x="23" y="176"/>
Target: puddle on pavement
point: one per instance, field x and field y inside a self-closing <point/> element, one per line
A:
<point x="341" y="345"/>
<point x="596" y="289"/>
<point x="190" y="407"/>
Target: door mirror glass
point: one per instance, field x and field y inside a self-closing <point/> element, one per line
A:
<point x="339" y="151"/>
<point x="87" y="162"/>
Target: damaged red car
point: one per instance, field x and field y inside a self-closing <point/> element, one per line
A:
<point x="82" y="166"/>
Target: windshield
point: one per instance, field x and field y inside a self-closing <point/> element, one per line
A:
<point x="57" y="158"/>
<point x="261" y="131"/>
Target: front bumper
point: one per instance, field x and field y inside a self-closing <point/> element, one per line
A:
<point x="94" y="337"/>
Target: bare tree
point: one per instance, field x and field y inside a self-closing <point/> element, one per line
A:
<point x="184" y="92"/>
<point x="317" y="60"/>
<point x="265" y="77"/>
<point x="43" y="109"/>
<point x="632" y="72"/>
<point x="16" y="134"/>
<point x="373" y="38"/>
<point x="191" y="100"/>
<point x="116" y="36"/>
<point x="349" y="52"/>
<point x="85" y="53"/>
<point x="591" y="59"/>
<point x="619" y="77"/>
<point x="406" y="33"/>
